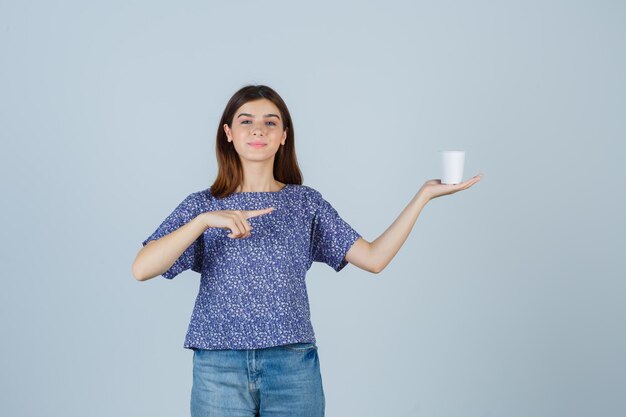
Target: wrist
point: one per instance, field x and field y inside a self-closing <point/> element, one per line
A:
<point x="422" y="198"/>
<point x="202" y="218"/>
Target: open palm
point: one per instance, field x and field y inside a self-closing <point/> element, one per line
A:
<point x="434" y="188"/>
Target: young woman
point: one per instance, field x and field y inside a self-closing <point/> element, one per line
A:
<point x="253" y="235"/>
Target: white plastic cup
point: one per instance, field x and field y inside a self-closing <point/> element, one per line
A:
<point x="452" y="163"/>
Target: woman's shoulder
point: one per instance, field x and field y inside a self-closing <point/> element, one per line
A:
<point x="199" y="200"/>
<point x="306" y="193"/>
<point x="308" y="190"/>
<point x="310" y="197"/>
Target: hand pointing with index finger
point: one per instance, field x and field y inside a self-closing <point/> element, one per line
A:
<point x="234" y="220"/>
<point x="254" y="213"/>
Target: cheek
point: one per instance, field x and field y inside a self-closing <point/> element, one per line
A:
<point x="236" y="128"/>
<point x="240" y="132"/>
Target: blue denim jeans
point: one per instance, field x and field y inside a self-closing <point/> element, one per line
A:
<point x="280" y="381"/>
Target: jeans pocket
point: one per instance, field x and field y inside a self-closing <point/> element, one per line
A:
<point x="299" y="347"/>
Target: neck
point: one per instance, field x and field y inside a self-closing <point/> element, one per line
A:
<point x="258" y="176"/>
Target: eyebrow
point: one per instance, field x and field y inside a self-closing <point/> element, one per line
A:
<point x="265" y="115"/>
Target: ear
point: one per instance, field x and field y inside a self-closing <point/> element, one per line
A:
<point x="227" y="131"/>
<point x="284" y="136"/>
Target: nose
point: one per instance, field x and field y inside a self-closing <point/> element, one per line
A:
<point x="257" y="129"/>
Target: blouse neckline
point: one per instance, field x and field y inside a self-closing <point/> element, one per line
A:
<point x="260" y="192"/>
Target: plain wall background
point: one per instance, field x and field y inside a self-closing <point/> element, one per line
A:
<point x="506" y="300"/>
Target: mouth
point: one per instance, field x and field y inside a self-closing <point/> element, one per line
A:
<point x="257" y="144"/>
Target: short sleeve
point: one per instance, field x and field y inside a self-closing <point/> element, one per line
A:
<point x="191" y="258"/>
<point x="331" y="236"/>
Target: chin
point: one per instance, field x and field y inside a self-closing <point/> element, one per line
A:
<point x="257" y="157"/>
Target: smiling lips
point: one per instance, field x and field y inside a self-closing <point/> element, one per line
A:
<point x="257" y="144"/>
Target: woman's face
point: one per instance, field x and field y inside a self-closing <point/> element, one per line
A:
<point x="257" y="130"/>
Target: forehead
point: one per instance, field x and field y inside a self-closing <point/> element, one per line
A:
<point x="258" y="108"/>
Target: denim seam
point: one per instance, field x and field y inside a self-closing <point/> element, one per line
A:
<point x="250" y="390"/>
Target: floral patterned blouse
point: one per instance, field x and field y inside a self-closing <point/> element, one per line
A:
<point x="252" y="290"/>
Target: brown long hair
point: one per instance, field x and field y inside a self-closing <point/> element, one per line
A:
<point x="230" y="172"/>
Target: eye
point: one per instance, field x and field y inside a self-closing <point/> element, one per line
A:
<point x="246" y="122"/>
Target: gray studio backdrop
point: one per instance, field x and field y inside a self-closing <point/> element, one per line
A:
<point x="506" y="300"/>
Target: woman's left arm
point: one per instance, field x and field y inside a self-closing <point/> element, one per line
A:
<point x="375" y="256"/>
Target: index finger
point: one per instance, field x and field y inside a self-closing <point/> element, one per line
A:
<point x="253" y="213"/>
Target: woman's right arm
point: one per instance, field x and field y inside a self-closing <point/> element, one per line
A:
<point x="159" y="255"/>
